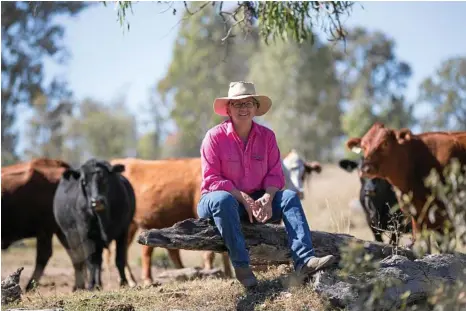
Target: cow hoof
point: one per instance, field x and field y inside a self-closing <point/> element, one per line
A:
<point x="132" y="284"/>
<point x="75" y="289"/>
<point x="147" y="283"/>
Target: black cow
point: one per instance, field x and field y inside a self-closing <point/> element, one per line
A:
<point x="94" y="206"/>
<point x="378" y="198"/>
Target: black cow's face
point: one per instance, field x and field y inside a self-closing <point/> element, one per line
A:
<point x="370" y="186"/>
<point x="94" y="178"/>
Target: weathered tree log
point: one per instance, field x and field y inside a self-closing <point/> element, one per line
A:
<point x="267" y="243"/>
<point x="420" y="277"/>
<point x="11" y="291"/>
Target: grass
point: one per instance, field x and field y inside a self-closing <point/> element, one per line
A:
<point x="327" y="207"/>
<point x="215" y="294"/>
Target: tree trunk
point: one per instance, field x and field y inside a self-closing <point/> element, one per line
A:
<point x="267" y="243"/>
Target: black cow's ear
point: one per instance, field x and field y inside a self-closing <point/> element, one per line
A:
<point x="71" y="173"/>
<point x="118" y="168"/>
<point x="348" y="165"/>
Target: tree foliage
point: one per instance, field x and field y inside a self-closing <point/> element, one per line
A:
<point x="30" y="35"/>
<point x="274" y="19"/>
<point x="100" y="130"/>
<point x="445" y="91"/>
<point x="45" y="129"/>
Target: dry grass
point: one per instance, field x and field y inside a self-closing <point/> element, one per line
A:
<point x="327" y="207"/>
<point x="213" y="294"/>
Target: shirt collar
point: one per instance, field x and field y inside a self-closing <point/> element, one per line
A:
<point x="231" y="129"/>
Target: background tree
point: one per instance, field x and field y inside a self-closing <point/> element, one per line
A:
<point x="150" y="143"/>
<point x="200" y="70"/>
<point x="30" y="35"/>
<point x="45" y="129"/>
<point x="101" y="130"/>
<point x="302" y="82"/>
<point x="373" y="83"/>
<point x="445" y="91"/>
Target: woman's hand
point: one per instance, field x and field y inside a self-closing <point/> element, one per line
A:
<point x="263" y="212"/>
<point x="249" y="205"/>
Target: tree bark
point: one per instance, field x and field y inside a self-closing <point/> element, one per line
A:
<point x="267" y="243"/>
<point x="11" y="291"/>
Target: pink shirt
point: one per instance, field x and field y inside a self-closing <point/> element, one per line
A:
<point x="226" y="164"/>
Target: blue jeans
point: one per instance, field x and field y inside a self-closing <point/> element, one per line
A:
<point x="227" y="212"/>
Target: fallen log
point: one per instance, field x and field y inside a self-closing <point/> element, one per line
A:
<point x="267" y="243"/>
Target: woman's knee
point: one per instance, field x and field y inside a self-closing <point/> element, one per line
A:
<point x="220" y="201"/>
<point x="290" y="197"/>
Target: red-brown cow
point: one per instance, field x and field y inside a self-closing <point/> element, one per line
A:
<point x="27" y="207"/>
<point x="406" y="159"/>
<point x="167" y="191"/>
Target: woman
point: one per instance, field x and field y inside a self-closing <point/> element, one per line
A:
<point x="242" y="178"/>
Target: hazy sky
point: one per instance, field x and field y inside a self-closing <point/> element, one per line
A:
<point x="107" y="62"/>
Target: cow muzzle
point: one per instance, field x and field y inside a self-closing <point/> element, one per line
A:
<point x="300" y="195"/>
<point x="97" y="204"/>
<point x="367" y="169"/>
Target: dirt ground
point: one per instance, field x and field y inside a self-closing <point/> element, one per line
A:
<point x="329" y="205"/>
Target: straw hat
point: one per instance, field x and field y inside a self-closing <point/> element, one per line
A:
<point x="240" y="90"/>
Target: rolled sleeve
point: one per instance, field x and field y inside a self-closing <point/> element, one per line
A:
<point x="275" y="176"/>
<point x="212" y="179"/>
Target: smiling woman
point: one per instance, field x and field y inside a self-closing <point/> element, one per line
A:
<point x="242" y="178"/>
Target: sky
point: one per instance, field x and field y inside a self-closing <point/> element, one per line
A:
<point x="107" y="61"/>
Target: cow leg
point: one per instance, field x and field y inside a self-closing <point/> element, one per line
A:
<point x="208" y="257"/>
<point x="107" y="254"/>
<point x="414" y="233"/>
<point x="43" y="254"/>
<point x="95" y="268"/>
<point x="120" y="258"/>
<point x="394" y="239"/>
<point x="133" y="228"/>
<point x="226" y="265"/>
<point x="78" y="264"/>
<point x="146" y="264"/>
<point x="377" y="235"/>
<point x="174" y="255"/>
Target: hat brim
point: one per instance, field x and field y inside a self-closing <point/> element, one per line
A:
<point x="220" y="104"/>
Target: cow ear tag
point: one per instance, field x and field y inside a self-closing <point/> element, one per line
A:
<point x="356" y="150"/>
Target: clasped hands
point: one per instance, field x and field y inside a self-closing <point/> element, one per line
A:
<point x="260" y="209"/>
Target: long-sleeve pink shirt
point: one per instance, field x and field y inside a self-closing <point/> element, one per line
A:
<point x="226" y="164"/>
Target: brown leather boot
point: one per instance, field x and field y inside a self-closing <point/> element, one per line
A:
<point x="315" y="264"/>
<point x="246" y="277"/>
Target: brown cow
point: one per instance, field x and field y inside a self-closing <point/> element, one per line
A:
<point x="406" y="159"/>
<point x="167" y="191"/>
<point x="27" y="207"/>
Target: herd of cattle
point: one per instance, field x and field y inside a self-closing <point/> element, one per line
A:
<point x="105" y="201"/>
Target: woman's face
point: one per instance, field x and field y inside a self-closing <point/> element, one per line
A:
<point x="242" y="110"/>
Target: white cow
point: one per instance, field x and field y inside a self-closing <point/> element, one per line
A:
<point x="296" y="170"/>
